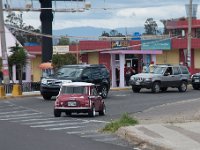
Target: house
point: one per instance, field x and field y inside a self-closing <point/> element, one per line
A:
<point x="10" y="42"/>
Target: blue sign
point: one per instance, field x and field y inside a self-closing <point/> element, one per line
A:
<point x="136" y="36"/>
<point x="156" y="44"/>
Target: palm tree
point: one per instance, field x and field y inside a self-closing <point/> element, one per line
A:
<point x="19" y="59"/>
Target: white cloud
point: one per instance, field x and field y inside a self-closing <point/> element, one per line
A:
<point x="127" y="17"/>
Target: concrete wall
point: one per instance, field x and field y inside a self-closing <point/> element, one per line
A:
<point x="197" y="58"/>
<point x="36" y="71"/>
<point x="93" y="58"/>
<point x="168" y="57"/>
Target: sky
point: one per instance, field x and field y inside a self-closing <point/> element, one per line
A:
<point x="106" y="13"/>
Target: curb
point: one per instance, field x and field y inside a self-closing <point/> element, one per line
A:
<point x="38" y="94"/>
<point x="120" y="89"/>
<point x="140" y="141"/>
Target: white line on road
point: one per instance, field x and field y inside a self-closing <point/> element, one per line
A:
<point x="57" y="124"/>
<point x="64" y="128"/>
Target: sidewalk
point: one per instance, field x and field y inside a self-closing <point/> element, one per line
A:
<point x="166" y="127"/>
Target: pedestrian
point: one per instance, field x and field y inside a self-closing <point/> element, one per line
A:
<point x="128" y="73"/>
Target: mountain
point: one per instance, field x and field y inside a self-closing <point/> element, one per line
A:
<point x="94" y="32"/>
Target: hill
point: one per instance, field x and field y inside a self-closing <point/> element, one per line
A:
<point x="94" y="32"/>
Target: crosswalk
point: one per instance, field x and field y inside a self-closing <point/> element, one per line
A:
<point x="85" y="128"/>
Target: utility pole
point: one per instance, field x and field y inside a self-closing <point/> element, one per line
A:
<point x="3" y="47"/>
<point x="189" y="35"/>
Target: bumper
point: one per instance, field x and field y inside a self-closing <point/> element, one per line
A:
<point x="143" y="84"/>
<point x="73" y="109"/>
<point x="49" y="90"/>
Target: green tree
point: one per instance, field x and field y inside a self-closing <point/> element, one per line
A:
<point x="165" y="30"/>
<point x="151" y="27"/>
<point x="64" y="41"/>
<point x="14" y="22"/>
<point x="104" y="33"/>
<point x="59" y="60"/>
<point x="18" y="58"/>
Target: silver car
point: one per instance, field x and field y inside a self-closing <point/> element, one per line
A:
<point x="162" y="77"/>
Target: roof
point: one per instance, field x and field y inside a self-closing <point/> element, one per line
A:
<point x="10" y="41"/>
<point x="75" y="84"/>
<point x="84" y="65"/>
<point x="133" y="52"/>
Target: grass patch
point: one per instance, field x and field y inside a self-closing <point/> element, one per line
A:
<point x="125" y="120"/>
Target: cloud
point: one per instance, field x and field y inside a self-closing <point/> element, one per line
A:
<point x="126" y="13"/>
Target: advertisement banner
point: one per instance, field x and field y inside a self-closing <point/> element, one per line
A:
<point x="156" y="44"/>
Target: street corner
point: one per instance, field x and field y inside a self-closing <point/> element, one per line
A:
<point x="143" y="138"/>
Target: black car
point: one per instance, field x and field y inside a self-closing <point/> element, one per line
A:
<point x="196" y="81"/>
<point x="97" y="74"/>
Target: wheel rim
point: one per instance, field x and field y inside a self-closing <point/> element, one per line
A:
<point x="93" y="112"/>
<point x="183" y="87"/>
<point x="104" y="110"/>
<point x="104" y="91"/>
<point x="157" y="88"/>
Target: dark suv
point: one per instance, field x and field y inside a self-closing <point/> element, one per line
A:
<point x="97" y="74"/>
<point x="162" y="77"/>
<point x="196" y="81"/>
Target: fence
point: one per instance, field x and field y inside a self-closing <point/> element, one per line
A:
<point x="26" y="87"/>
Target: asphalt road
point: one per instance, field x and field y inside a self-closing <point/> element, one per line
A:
<point x="28" y="123"/>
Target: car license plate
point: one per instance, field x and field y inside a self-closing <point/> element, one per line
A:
<point x="196" y="80"/>
<point x="137" y="83"/>
<point x="71" y="104"/>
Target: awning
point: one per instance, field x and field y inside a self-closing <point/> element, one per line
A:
<point x="46" y="65"/>
<point x="133" y="52"/>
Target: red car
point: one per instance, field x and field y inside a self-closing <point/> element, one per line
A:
<point x="79" y="97"/>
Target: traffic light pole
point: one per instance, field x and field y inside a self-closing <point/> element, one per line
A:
<point x="5" y="69"/>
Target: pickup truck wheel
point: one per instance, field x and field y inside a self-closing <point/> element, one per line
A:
<point x="156" y="87"/>
<point x="102" y="112"/>
<point x="136" y="89"/>
<point x="183" y="86"/>
<point x="57" y="113"/>
<point x="46" y="97"/>
<point x="104" y="92"/>
<point x="92" y="112"/>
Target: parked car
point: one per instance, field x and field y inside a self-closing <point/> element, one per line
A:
<point x="79" y="97"/>
<point x="97" y="74"/>
<point x="196" y="81"/>
<point x="162" y="77"/>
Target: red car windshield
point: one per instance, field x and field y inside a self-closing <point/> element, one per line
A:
<point x="74" y="90"/>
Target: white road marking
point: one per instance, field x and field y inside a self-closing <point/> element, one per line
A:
<point x="64" y="128"/>
<point x="14" y="112"/>
<point x="107" y="139"/>
<point x="45" y="122"/>
<point x="82" y="132"/>
<point x="57" y="124"/>
<point x="10" y="117"/>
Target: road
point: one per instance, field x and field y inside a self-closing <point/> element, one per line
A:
<point x="28" y="123"/>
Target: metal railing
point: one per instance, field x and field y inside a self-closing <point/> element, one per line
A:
<point x="26" y="87"/>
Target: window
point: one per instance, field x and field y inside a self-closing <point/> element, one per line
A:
<point x="95" y="73"/>
<point x="177" y="71"/>
<point x="94" y="92"/>
<point x="104" y="72"/>
<point x="184" y="70"/>
<point x="87" y="73"/>
<point x="69" y="72"/>
<point x="74" y="90"/>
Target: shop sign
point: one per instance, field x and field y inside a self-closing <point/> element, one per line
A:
<point x="156" y="44"/>
<point x="120" y="43"/>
